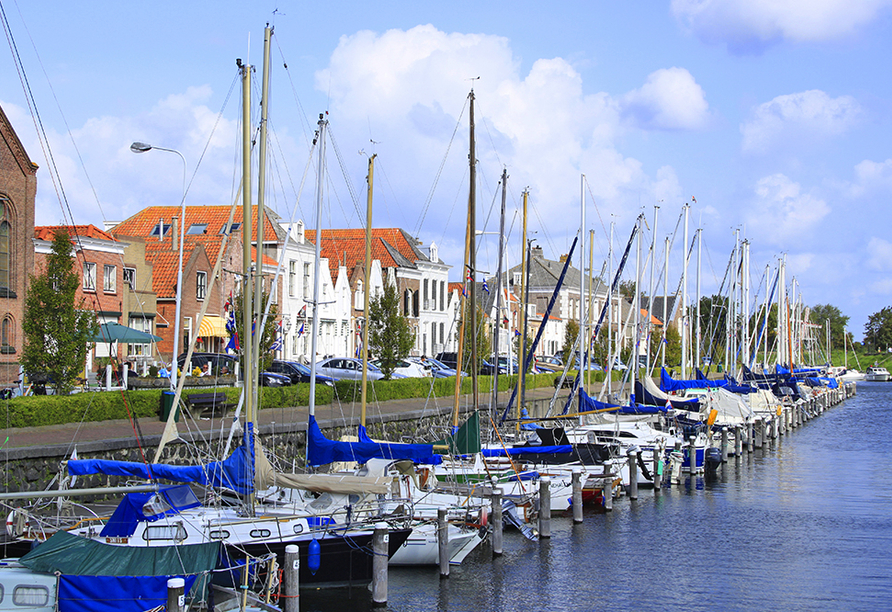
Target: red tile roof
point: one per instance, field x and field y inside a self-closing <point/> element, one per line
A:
<point x="47" y="232"/>
<point x="347" y="247"/>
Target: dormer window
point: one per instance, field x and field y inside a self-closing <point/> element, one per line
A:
<point x="234" y="228"/>
<point x="160" y="230"/>
<point x="196" y="229"/>
<point x="434" y="257"/>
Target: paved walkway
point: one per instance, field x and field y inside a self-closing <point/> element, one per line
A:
<point x="60" y="440"/>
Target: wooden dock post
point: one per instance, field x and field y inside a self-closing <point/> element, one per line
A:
<point x="443" y="542"/>
<point x="724" y="445"/>
<point x="576" y="479"/>
<point x="292" y="578"/>
<point x="544" y="507"/>
<point x="633" y="474"/>
<point x="658" y="467"/>
<point x="497" y="524"/>
<point x="749" y="437"/>
<point x="380" y="557"/>
<point x="176" y="594"/>
<point x="607" y="491"/>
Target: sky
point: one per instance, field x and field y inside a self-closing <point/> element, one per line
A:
<point x="771" y="119"/>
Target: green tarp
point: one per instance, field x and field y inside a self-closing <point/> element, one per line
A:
<point x="465" y="440"/>
<point x="71" y="554"/>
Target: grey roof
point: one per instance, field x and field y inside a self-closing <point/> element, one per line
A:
<point x="657" y="310"/>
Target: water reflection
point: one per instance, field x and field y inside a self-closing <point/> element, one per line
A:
<point x="805" y="525"/>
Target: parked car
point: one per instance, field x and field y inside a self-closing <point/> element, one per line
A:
<point x="345" y="368"/>
<point x="549" y="364"/>
<point x="271" y="379"/>
<point x="437" y="368"/>
<point x="409" y="369"/>
<point x="448" y="359"/>
<point x="298" y="372"/>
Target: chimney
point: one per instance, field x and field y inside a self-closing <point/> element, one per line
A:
<point x="537" y="252"/>
<point x="175" y="233"/>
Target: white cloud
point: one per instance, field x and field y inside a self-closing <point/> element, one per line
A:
<point x="749" y="26"/>
<point x="670" y="99"/>
<point x="408" y="89"/>
<point x="871" y="176"/>
<point x="805" y="116"/>
<point x="781" y="212"/>
<point x="879" y="254"/>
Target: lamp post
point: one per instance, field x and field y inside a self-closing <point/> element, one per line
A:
<point x="141" y="147"/>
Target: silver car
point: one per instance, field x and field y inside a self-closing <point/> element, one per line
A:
<point x="344" y="368"/>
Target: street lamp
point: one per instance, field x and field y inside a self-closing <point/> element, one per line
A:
<point x="141" y="147"/>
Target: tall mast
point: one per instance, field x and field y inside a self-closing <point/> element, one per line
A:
<point x="247" y="341"/>
<point x="588" y="336"/>
<point x="684" y="298"/>
<point x="698" y="340"/>
<point x="650" y="300"/>
<point x="261" y="189"/>
<point x="583" y="353"/>
<point x="522" y="313"/>
<point x="611" y="358"/>
<point x="320" y="183"/>
<point x="636" y="304"/>
<point x="666" y="293"/>
<point x="366" y="288"/>
<point x="746" y="299"/>
<point x="498" y="317"/>
<point x="472" y="259"/>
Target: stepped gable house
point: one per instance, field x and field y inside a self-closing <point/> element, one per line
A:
<point x="18" y="187"/>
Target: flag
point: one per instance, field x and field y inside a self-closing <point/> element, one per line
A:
<point x="485" y="286"/>
<point x="278" y="343"/>
<point x="668" y="404"/>
<point x="302" y="314"/>
<point x="300" y="332"/>
<point x="233" y="342"/>
<point x="516" y="333"/>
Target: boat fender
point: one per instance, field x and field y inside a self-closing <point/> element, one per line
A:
<point x="425" y="474"/>
<point x="314" y="556"/>
<point x="482" y="517"/>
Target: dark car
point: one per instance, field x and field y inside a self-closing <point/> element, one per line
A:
<point x="298" y="372"/>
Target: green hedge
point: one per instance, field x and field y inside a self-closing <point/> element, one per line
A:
<point x="109" y="405"/>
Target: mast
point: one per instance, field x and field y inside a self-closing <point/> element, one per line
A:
<point x="588" y="336"/>
<point x="261" y="189"/>
<point x="522" y="314"/>
<point x="698" y="340"/>
<point x="746" y="298"/>
<point x="583" y="353"/>
<point x="498" y="317"/>
<point x="366" y="286"/>
<point x="666" y="293"/>
<point x="636" y="304"/>
<point x="767" y="312"/>
<point x="611" y="358"/>
<point x="463" y="314"/>
<point x="650" y="301"/>
<point x="249" y="381"/>
<point x="472" y="254"/>
<point x="320" y="183"/>
<point x="684" y="298"/>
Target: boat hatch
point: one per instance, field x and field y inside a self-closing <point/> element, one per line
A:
<point x="175" y="532"/>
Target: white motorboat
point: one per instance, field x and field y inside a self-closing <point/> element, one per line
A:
<point x="876" y="373"/>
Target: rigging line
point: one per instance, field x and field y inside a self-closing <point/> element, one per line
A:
<point x="588" y="187"/>
<point x="346" y="175"/>
<point x="35" y="117"/>
<point x="430" y="195"/>
<point x="543" y="228"/>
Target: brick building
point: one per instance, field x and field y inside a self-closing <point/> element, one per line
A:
<point x="18" y="187"/>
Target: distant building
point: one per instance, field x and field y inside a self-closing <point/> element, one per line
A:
<point x="18" y="186"/>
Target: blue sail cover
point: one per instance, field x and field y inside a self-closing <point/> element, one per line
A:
<point x="129" y="512"/>
<point x="322" y="451"/>
<point x="590" y="404"/>
<point x="667" y="383"/>
<point x="236" y="472"/>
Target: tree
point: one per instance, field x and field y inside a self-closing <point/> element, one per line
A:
<point x="878" y="330"/>
<point x="56" y="331"/>
<point x="484" y="345"/>
<point x="390" y="336"/>
<point x="821" y="313"/>
<point x="571" y="332"/>
<point x="267" y="337"/>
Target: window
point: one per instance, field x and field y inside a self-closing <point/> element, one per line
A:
<point x="130" y="278"/>
<point x="196" y="229"/>
<point x="165" y="532"/>
<point x="516" y="279"/>
<point x="201" y="285"/>
<point x="30" y="595"/>
<point x="292" y="277"/>
<point x="426" y="305"/>
<point x="442" y="296"/>
<point x="234" y="228"/>
<point x="144" y="325"/>
<point x="359" y="300"/>
<point x="109" y="278"/>
<point x="89" y="276"/>
<point x="5" y="255"/>
<point x="306" y="281"/>
<point x="7" y="336"/>
<point x="160" y="230"/>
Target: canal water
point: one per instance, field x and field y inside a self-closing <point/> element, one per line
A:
<point x="806" y="525"/>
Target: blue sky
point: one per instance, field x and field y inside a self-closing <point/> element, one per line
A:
<point x="774" y="115"/>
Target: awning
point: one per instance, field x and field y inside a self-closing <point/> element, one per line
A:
<point x="115" y="332"/>
<point x="212" y="327"/>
